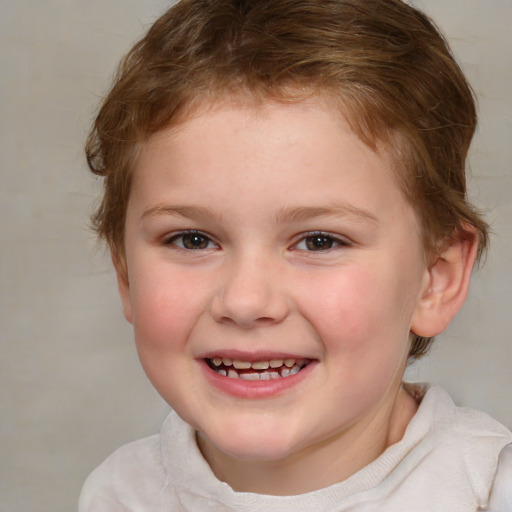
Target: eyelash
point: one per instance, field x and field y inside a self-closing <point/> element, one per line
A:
<point x="335" y="241"/>
<point x="308" y="239"/>
<point x="190" y="233"/>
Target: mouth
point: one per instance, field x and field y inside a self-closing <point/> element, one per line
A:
<point x="271" y="369"/>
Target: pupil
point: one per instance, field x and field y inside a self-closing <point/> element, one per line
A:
<point x="319" y="242"/>
<point x="195" y="242"/>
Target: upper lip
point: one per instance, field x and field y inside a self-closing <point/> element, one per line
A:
<point x="251" y="356"/>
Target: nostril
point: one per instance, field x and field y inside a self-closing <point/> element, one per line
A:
<point x="250" y="292"/>
<point x="249" y="310"/>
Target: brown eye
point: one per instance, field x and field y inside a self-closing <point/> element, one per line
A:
<point x="319" y="242"/>
<point x="192" y="241"/>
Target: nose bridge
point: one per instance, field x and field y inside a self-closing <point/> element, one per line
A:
<point x="250" y="290"/>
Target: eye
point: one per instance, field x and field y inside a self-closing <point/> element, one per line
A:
<point x="191" y="240"/>
<point x="320" y="242"/>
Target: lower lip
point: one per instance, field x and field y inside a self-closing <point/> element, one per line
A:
<point x="250" y="389"/>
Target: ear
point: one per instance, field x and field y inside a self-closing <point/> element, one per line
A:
<point x="123" y="284"/>
<point x="446" y="285"/>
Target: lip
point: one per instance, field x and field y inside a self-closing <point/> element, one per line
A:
<point x="251" y="356"/>
<point x="253" y="390"/>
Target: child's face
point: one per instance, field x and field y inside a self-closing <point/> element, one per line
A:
<point x="264" y="235"/>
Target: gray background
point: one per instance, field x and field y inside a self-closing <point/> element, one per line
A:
<point x="71" y="387"/>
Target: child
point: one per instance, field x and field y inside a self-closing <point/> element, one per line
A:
<point x="285" y="204"/>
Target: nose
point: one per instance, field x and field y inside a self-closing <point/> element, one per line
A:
<point x="251" y="293"/>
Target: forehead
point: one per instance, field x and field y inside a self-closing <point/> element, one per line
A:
<point x="270" y="156"/>
<point x="230" y="129"/>
<point x="283" y="117"/>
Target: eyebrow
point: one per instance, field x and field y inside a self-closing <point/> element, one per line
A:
<point x="301" y="213"/>
<point x="190" y="212"/>
<point x="285" y="215"/>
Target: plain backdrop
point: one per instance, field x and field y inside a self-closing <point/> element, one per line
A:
<point x="71" y="387"/>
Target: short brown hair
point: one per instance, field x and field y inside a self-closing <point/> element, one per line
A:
<point x="385" y="61"/>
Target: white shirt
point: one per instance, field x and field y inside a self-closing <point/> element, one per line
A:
<point x="446" y="462"/>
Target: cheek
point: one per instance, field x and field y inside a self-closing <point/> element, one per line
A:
<point x="164" y="317"/>
<point x="364" y="334"/>
<point x="165" y="309"/>
<point x="360" y="311"/>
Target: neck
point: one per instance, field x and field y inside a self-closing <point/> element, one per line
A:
<point x="327" y="462"/>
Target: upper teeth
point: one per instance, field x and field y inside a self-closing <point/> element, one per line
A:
<point x="257" y="365"/>
<point x="257" y="370"/>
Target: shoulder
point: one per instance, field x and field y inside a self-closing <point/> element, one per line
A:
<point x="463" y="442"/>
<point x="438" y="412"/>
<point x="141" y="475"/>
<point x="500" y="499"/>
<point x="155" y="474"/>
<point x="110" y="486"/>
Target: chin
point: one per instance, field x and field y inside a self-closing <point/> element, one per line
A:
<point x="252" y="446"/>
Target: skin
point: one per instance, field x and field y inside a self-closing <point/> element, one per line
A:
<point x="258" y="183"/>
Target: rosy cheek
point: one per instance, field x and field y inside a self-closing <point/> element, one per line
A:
<point x="352" y="308"/>
<point x="153" y="318"/>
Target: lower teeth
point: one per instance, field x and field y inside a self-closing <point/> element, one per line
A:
<point x="254" y="376"/>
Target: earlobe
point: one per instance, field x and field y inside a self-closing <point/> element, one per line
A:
<point x="446" y="285"/>
<point x="123" y="285"/>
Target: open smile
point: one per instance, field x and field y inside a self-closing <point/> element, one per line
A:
<point x="259" y="375"/>
<point x="271" y="369"/>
